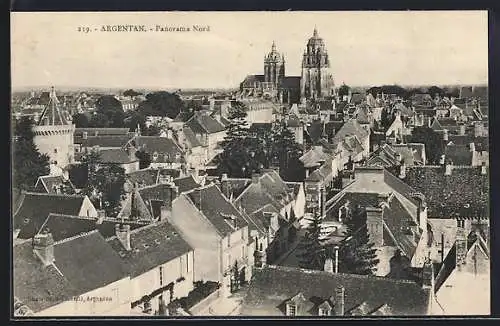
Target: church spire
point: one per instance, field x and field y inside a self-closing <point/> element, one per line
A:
<point x="315" y="33"/>
<point x="273" y="47"/>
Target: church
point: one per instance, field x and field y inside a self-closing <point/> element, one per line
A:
<point x="315" y="82"/>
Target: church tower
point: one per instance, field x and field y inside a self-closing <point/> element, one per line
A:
<point x="316" y="81"/>
<point x="274" y="68"/>
<point x="54" y="135"/>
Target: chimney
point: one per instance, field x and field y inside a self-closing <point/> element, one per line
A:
<point x="382" y="200"/>
<point x="445" y="134"/>
<point x="472" y="147"/>
<point x="441" y="159"/>
<point x="255" y="178"/>
<point x="447" y="168"/>
<point x="323" y="200"/>
<point x="170" y="134"/>
<point x="402" y="170"/>
<point x="101" y="215"/>
<point x="398" y="157"/>
<point x="123" y="234"/>
<point x="225" y="185"/>
<point x="339" y="301"/>
<point x="484" y="170"/>
<point x="43" y="247"/>
<point x="462" y="130"/>
<point x="328" y="267"/>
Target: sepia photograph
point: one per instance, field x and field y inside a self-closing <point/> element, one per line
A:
<point x="285" y="164"/>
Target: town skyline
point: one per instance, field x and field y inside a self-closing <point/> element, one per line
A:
<point x="436" y="54"/>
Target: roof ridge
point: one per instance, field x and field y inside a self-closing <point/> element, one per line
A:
<point x="74" y="216"/>
<point x="321" y="272"/>
<point x="81" y="235"/>
<point x="55" y="194"/>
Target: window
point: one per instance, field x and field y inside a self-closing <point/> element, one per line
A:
<point x="291" y="310"/>
<point x="161" y="275"/>
<point x="243" y="234"/>
<point x="181" y="260"/>
<point x="243" y="252"/>
<point x="229" y="241"/>
<point x="55" y="150"/>
<point x="323" y="312"/>
<point x="187" y="263"/>
<point x="116" y="296"/>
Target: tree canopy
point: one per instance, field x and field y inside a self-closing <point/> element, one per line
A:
<point x="163" y="104"/>
<point x="111" y="108"/>
<point x="434" y="144"/>
<point x="311" y="248"/>
<point x="344" y="90"/>
<point x="28" y="162"/>
<point x="357" y="254"/>
<point x="131" y="93"/>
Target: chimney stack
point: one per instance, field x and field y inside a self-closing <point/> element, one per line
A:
<point x="462" y="130"/>
<point x="170" y="134"/>
<point x="382" y="200"/>
<point x="101" y="215"/>
<point x="472" y="147"/>
<point x="339" y="301"/>
<point x="484" y="170"/>
<point x="255" y="178"/>
<point x="123" y="234"/>
<point x="448" y="168"/>
<point x="398" y="157"/>
<point x="445" y="134"/>
<point x="328" y="267"/>
<point x="43" y="247"/>
<point x="402" y="170"/>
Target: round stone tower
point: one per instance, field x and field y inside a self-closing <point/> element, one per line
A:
<point x="54" y="135"/>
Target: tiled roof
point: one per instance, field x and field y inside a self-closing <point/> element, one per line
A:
<point x="465" y="192"/>
<point x="237" y="185"/>
<point x="323" y="173"/>
<point x="186" y="183"/>
<point x="152" y="246"/>
<point x="364" y="199"/>
<point x="183" y="116"/>
<point x="144" y="177"/>
<point x="115" y="156"/>
<point x="315" y="155"/>
<point x="217" y="209"/>
<point x="52" y="114"/>
<point x="66" y="226"/>
<point x="80" y="260"/>
<point x="36" y="207"/>
<point x="166" y="148"/>
<point x="190" y="137"/>
<point x="459" y="154"/>
<point x="116" y="141"/>
<point x="350" y="128"/>
<point x="481" y="143"/>
<point x="270" y="189"/>
<point x="204" y="123"/>
<point x="271" y="287"/>
<point x="101" y="131"/>
<point x="48" y="183"/>
<point x="156" y="196"/>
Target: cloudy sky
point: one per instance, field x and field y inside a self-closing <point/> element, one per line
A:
<point x="365" y="48"/>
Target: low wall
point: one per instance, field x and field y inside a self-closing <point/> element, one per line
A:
<point x="204" y="304"/>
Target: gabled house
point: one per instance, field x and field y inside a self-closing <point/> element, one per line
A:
<point x="34" y="208"/>
<point x="164" y="151"/>
<point x="465" y="272"/>
<point x="397" y="154"/>
<point x="323" y="293"/>
<point x="160" y="264"/>
<point x="120" y="157"/>
<point x="217" y="231"/>
<point x="196" y="153"/>
<point x="78" y="276"/>
<point x="208" y="131"/>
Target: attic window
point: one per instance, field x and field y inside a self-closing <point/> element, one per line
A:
<point x="323" y="312"/>
<point x="167" y="237"/>
<point x="291" y="309"/>
<point x="136" y="250"/>
<point x="155" y="156"/>
<point x="26" y="220"/>
<point x="174" y="233"/>
<point x="146" y="246"/>
<point x="122" y="253"/>
<point x="467" y="206"/>
<point x="157" y="241"/>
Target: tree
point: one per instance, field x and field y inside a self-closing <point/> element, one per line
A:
<point x="28" y="162"/>
<point x="386" y="118"/>
<point x="162" y="104"/>
<point x="99" y="120"/>
<point x="311" y="249"/>
<point x="104" y="184"/>
<point x="112" y="108"/>
<point x="80" y="120"/>
<point x="287" y="152"/>
<point x="144" y="159"/>
<point x="357" y="254"/>
<point x="434" y="90"/>
<point x="243" y="153"/>
<point x="434" y="144"/>
<point x="131" y="93"/>
<point x="344" y="90"/>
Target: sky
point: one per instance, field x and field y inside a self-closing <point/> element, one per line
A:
<point x="365" y="48"/>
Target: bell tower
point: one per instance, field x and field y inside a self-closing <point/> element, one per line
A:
<point x="274" y="68"/>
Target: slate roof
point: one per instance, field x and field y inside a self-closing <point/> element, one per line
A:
<point x="481" y="143"/>
<point x="190" y="137"/>
<point x="237" y="185"/>
<point x="52" y="114"/>
<point x="459" y="154"/>
<point x="186" y="183"/>
<point x="183" y="116"/>
<point x="156" y="196"/>
<point x="464" y="193"/>
<point x="204" y="123"/>
<point x="270" y="189"/>
<point x="166" y="148"/>
<point x="116" y="141"/>
<point x="152" y="245"/>
<point x="364" y="199"/>
<point x="66" y="226"/>
<point x="217" y="209"/>
<point x="80" y="260"/>
<point x="36" y="207"/>
<point x="350" y="128"/>
<point x="144" y="177"/>
<point x="271" y="287"/>
<point x="48" y="183"/>
<point x="115" y="156"/>
<point x="315" y="155"/>
<point x="101" y="131"/>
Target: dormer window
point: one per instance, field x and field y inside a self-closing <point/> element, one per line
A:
<point x="291" y="309"/>
<point x="155" y="156"/>
<point x="324" y="312"/>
